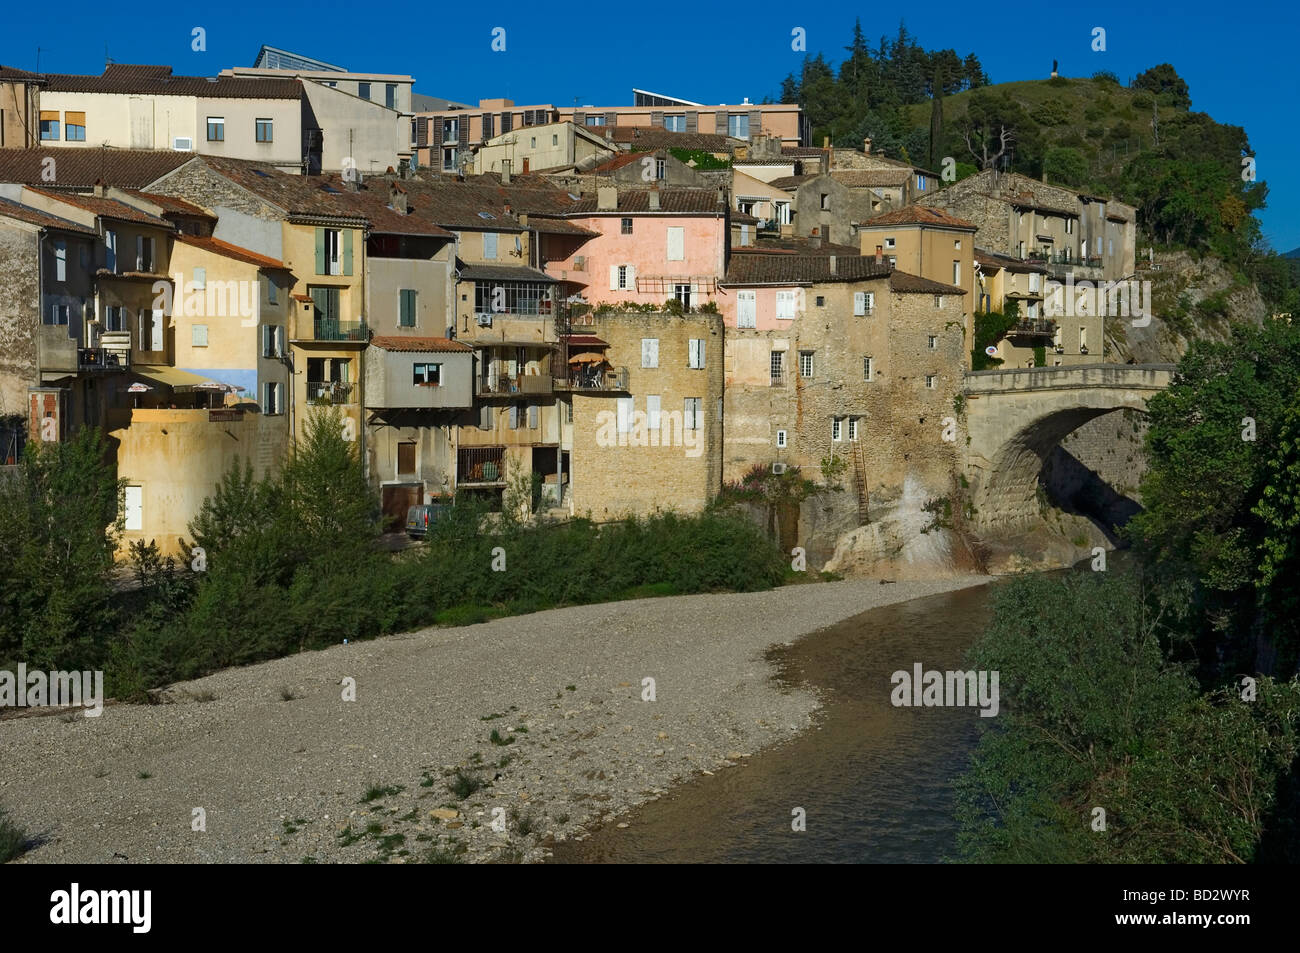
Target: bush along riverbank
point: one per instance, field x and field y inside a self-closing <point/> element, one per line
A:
<point x="291" y="563"/>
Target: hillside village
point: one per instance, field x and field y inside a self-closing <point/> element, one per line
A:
<point x="630" y="305"/>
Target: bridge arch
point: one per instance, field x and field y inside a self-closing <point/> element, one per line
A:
<point x="1016" y="418"/>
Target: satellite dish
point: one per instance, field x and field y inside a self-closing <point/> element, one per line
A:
<point x="991" y="351"/>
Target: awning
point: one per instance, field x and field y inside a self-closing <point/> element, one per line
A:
<point x="174" y="377"/>
<point x="586" y="340"/>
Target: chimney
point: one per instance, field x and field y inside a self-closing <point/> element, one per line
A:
<point x="606" y="198"/>
<point x="815" y="239"/>
<point x="654" y="200"/>
<point x="866" y="146"/>
<point x="523" y="219"/>
<point x="505" y="171"/>
<point x="832" y="266"/>
<point x="506" y="208"/>
<point x="101" y="190"/>
<point x="397" y="198"/>
<point x="880" y="255"/>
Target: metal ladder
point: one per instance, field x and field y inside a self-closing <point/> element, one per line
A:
<point x="860" y="481"/>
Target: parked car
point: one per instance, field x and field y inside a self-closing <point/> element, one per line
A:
<point x="421" y="516"/>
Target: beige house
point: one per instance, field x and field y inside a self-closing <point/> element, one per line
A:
<point x="20" y="98"/>
<point x="743" y="121"/>
<point x="550" y="147"/>
<point x="444" y="138"/>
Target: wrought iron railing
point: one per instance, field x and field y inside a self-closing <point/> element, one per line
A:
<point x="329" y="392"/>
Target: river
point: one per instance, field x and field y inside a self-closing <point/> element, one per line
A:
<point x="875" y="781"/>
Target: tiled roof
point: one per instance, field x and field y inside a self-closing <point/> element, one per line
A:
<point x="671" y="201"/>
<point x="172" y="205"/>
<point x="457" y="204"/>
<point x="78" y="168"/>
<point x="871" y="178"/>
<point x="227" y="250"/>
<point x="742" y="218"/>
<point x="789" y="160"/>
<point x="12" y="73"/>
<point x="107" y="208"/>
<point x="904" y="283"/>
<point x="802" y="151"/>
<point x="918" y="215"/>
<point x="586" y="340"/>
<point x="503" y="273"/>
<point x="295" y="194"/>
<point x="159" y="81"/>
<point x="991" y="259"/>
<point x="423" y="345"/>
<point x="34" y="216"/>
<point x="790" y="182"/>
<point x="656" y="137"/>
<point x="373" y="198"/>
<point x="759" y="269"/>
<point x="773" y="245"/>
<point x="618" y="163"/>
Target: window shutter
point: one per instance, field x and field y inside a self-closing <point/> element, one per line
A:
<point x="485" y="418"/>
<point x="649" y="352"/>
<point x="490" y="245"/>
<point x="631" y="277"/>
<point x="859" y="303"/>
<point x="437" y="130"/>
<point x="755" y="122"/>
<point x="611" y="119"/>
<point x="613" y="277"/>
<point x="347" y="251"/>
<point x="579" y="119"/>
<point x="652" y="411"/>
<point x="156" y="338"/>
<point x="656" y="118"/>
<point x="624" y="409"/>
<point x="871" y="301"/>
<point x="485" y="127"/>
<point x="720" y="123"/>
<point x="676" y="243"/>
<point x="533" y="416"/>
<point x="139" y="252"/>
<point x="266" y="340"/>
<point x="320" y="251"/>
<point x="199" y="335"/>
<point x="692" y="122"/>
<point x="514" y="416"/>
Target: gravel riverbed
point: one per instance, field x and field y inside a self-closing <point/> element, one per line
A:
<point x="285" y="770"/>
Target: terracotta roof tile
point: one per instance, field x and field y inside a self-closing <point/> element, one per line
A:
<point x="170" y="204"/>
<point x="218" y="247"/>
<point x="904" y="283"/>
<point x="671" y="202"/>
<point x="78" y="168"/>
<point x="654" y="137"/>
<point x="751" y="268"/>
<point x="34" y="216"/>
<point x="871" y="178"/>
<point x="13" y="73"/>
<point x="918" y="215"/>
<point x="423" y="345"/>
<point x="107" y="208"/>
<point x="159" y="81"/>
<point x="790" y="182"/>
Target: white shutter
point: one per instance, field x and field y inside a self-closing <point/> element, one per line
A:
<point x="279" y="340"/>
<point x="157" y="329"/>
<point x="676" y="243"/>
<point x="199" y="335"/>
<point x="871" y="301"/>
<point x="200" y="278"/>
<point x="514" y="416"/>
<point x="533" y="415"/>
<point x="135" y="507"/>
<point x="652" y="411"/>
<point x="649" y="352"/>
<point x="624" y="409"/>
<point x="631" y="277"/>
<point x="696" y="353"/>
<point x="613" y="277"/>
<point x="139" y="252"/>
<point x="859" y="303"/>
<point x="490" y="245"/>
<point x="747" y="313"/>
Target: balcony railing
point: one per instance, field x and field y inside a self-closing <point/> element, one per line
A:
<point x="102" y="359"/>
<point x="516" y="384"/>
<point x="595" y="379"/>
<point x="778" y="380"/>
<point x="329" y="392"/>
<point x="324" y="329"/>
<point x="480" y="465"/>
<point x="1034" y="327"/>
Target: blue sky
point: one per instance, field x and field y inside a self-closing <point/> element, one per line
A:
<point x="1240" y="60"/>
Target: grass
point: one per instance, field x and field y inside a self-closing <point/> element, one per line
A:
<point x="525" y="822"/>
<point x="286" y="694"/>
<point x="449" y="853"/>
<point x="144" y="775"/>
<point x="376" y="791"/>
<point x="13" y="839"/>
<point x="463" y="784"/>
<point x="496" y="738"/>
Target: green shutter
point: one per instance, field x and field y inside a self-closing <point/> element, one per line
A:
<point x="407" y="318"/>
<point x="347" y="251"/>
<point x="320" y="251"/>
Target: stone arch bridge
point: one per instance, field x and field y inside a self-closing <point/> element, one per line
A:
<point x="1014" y="419"/>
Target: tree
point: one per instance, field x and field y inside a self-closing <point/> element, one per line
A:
<point x="1065" y="166"/>
<point x="936" y="120"/>
<point x="1163" y="80"/>
<point x="989" y="127"/>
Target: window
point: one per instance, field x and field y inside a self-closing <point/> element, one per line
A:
<point x="624" y="278"/>
<point x="660" y="168"/>
<point x="490" y="246"/>
<point x="893" y="262"/>
<point x="837" y="429"/>
<point x="555" y="139"/>
<point x="390" y="95"/>
<point x="805" y="364"/>
<point x="676" y="123"/>
<point x="853" y="429"/>
<point x="920" y="183"/>
<point x="149" y="330"/>
<point x="738" y="125"/>
<point x="449" y="159"/>
<point x="649" y="352"/>
<point x="406" y="456"/>
<point x="58" y="314"/>
<point x="932" y="342"/>
<point x="74" y="126"/>
<point x="785" y="305"/>
<point x="110" y="251"/>
<point x="60" y="260"/>
<point x="695" y="353"/>
<point x="199" y="335"/>
<point x="363" y="90"/>
<point x="938" y="301"/>
<point x="931" y="381"/>
<point x="426" y="375"/>
<point x="825" y="201"/>
<point x="333" y="251"/>
<point x="778" y="368"/>
<point x="532" y="142"/>
<point x="595" y="120"/>
<point x="134" y="506"/>
<point x="624" y="414"/>
<point x="114" y="318"/>
<point x="272" y="398"/>
<point x="627" y="226"/>
<point x="683" y="293"/>
<point x="50" y="124"/>
<point x="693" y="414"/>
<point x="780" y="439"/>
<point x="1069" y="226"/>
<point x="271" y="290"/>
<point x="406" y="308"/>
<point x="677" y="243"/>
<point x="1083" y="340"/>
<point x="956" y="273"/>
<point x="866" y="369"/>
<point x="265" y="130"/>
<point x="864" y="302"/>
<point x="272" y="341"/>
<point x="890" y="243"/>
<point x="956" y="244"/>
<point x="451" y="130"/>
<point x="783" y="213"/>
<point x="512" y="297"/>
<point x="746" y="309"/>
<point x="143" y="253"/>
<point x="216" y="129"/>
<point x="652" y="411"/>
<point x="821" y="301"/>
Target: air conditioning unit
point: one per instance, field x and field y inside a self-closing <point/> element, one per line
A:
<point x="484" y="320"/>
<point x="580" y="263"/>
<point x="778" y="468"/>
<point x="183" y="144"/>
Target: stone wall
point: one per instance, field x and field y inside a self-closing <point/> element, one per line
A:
<point x="19" y="295"/>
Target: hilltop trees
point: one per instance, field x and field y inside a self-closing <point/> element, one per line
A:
<point x="1164" y="81"/>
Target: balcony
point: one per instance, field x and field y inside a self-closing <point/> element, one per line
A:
<point x="481" y="465"/>
<point x="595" y="380"/>
<point x="328" y="393"/>
<point x="101" y="359"/>
<point x="1034" y="328"/>
<point x="778" y="379"/>
<point x="324" y="329"/>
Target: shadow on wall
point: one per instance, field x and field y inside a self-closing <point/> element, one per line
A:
<point x="1075" y="488"/>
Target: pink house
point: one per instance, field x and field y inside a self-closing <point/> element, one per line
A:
<point x="650" y="245"/>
